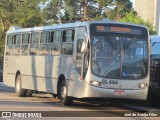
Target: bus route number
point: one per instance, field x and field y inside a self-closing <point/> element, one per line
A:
<point x="100" y="28"/>
<point x="113" y="82"/>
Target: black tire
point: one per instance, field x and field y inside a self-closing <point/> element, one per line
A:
<point x="54" y="95"/>
<point x="29" y="93"/>
<point x="18" y="87"/>
<point x="65" y="100"/>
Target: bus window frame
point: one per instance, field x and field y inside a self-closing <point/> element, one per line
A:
<point x="54" y="43"/>
<point x="27" y="44"/>
<point x="64" y="42"/>
<point x="15" y="45"/>
<point x="35" y="44"/>
<point x="9" y="45"/>
<point x="45" y="43"/>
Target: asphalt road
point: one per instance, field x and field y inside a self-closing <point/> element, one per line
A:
<point x="47" y="106"/>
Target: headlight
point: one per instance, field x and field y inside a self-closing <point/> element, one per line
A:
<point x="142" y="85"/>
<point x="95" y="83"/>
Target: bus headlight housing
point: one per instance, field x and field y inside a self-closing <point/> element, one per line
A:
<point x="142" y="85"/>
<point x="95" y="83"/>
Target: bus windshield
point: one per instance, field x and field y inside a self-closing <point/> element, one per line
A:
<point x="119" y="56"/>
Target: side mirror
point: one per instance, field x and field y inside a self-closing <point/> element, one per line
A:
<point x="84" y="43"/>
<point x="84" y="46"/>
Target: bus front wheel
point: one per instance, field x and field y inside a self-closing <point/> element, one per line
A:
<point x="18" y="87"/>
<point x="65" y="100"/>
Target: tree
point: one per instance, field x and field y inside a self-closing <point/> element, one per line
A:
<point x="20" y="13"/>
<point x="118" y="9"/>
<point x="133" y="18"/>
<point x="25" y="13"/>
<point x="70" y="11"/>
<point x="53" y="11"/>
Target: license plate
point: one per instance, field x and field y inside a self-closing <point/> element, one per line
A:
<point x="119" y="92"/>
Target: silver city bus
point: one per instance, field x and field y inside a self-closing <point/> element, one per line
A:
<point x="93" y="59"/>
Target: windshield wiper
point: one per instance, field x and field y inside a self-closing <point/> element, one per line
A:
<point x="111" y="43"/>
<point x="129" y="43"/>
<point x="153" y="44"/>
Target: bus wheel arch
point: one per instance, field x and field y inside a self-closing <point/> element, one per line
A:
<point x="17" y="73"/>
<point x="62" y="91"/>
<point x="18" y="88"/>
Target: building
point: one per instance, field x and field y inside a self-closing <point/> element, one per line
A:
<point x="149" y="10"/>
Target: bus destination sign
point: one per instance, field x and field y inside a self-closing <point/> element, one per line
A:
<point x="113" y="29"/>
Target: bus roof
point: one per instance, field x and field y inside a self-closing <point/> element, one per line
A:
<point x="67" y="25"/>
<point x="155" y="38"/>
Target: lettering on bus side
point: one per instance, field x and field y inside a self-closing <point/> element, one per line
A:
<point x="112" y="82"/>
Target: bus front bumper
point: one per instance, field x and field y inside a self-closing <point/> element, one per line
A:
<point x="97" y="92"/>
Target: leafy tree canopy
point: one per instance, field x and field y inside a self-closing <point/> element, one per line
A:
<point x="118" y="9"/>
<point x="133" y="18"/>
<point x="25" y="13"/>
<point x="70" y="11"/>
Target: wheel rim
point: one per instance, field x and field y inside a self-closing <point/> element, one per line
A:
<point x="63" y="92"/>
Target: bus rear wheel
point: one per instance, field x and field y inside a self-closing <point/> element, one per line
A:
<point x="65" y="100"/>
<point x="18" y="87"/>
<point x="29" y="93"/>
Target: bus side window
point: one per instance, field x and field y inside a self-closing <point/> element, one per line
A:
<point x="17" y="44"/>
<point x="34" y="43"/>
<point x="67" y="42"/>
<point x="9" y="45"/>
<point x="58" y="36"/>
<point x="52" y="37"/>
<point x="56" y="39"/>
<point x="79" y="56"/>
<point x="25" y="43"/>
<point x="44" y="46"/>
